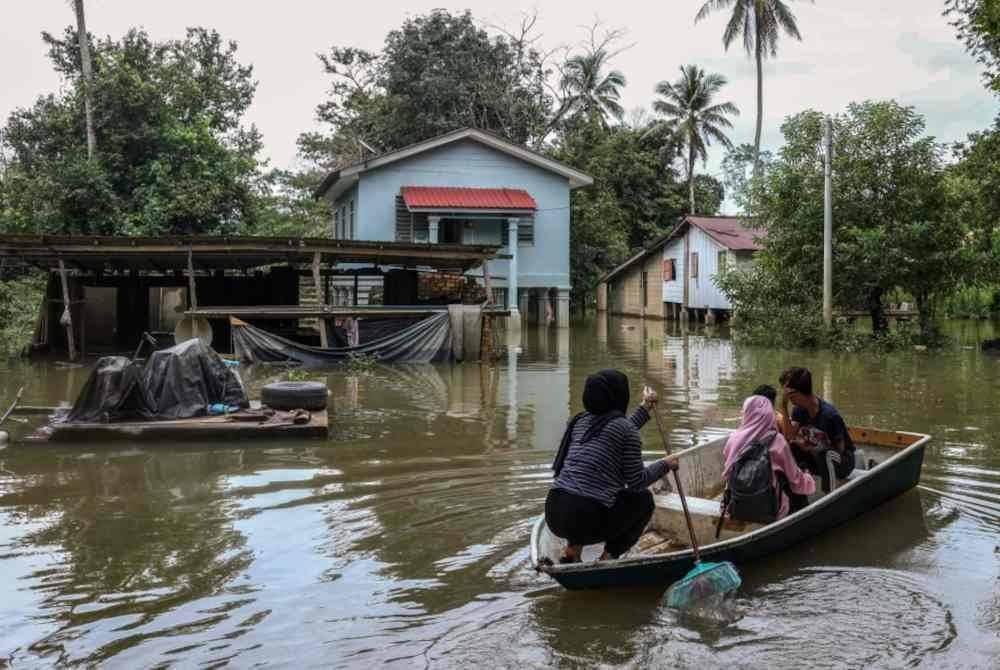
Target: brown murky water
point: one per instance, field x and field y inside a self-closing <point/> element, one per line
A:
<point x="403" y="539"/>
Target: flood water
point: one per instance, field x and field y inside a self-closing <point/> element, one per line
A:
<point x="402" y="540"/>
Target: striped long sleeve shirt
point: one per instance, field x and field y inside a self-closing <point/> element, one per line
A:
<point x="609" y="463"/>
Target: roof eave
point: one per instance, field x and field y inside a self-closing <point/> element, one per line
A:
<point x="575" y="177"/>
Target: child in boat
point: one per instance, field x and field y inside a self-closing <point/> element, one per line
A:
<point x="600" y="491"/>
<point x="814" y="427"/>
<point x="759" y="425"/>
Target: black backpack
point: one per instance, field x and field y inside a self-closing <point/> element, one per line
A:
<point x="750" y="491"/>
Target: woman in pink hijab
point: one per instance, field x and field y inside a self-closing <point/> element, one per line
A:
<point x="759" y="423"/>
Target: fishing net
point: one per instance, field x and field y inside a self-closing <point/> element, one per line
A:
<point x="705" y="581"/>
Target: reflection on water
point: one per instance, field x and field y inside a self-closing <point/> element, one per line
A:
<point x="402" y="539"/>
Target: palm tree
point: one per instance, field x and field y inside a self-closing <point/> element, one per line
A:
<point x="88" y="79"/>
<point x="759" y="23"/>
<point x="588" y="90"/>
<point x="692" y="117"/>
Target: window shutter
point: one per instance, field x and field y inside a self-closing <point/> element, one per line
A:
<point x="526" y="232"/>
<point x="694" y="265"/>
<point x="404" y="221"/>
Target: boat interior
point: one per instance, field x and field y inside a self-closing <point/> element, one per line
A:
<point x="701" y="476"/>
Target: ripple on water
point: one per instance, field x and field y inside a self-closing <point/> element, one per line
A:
<point x="825" y="618"/>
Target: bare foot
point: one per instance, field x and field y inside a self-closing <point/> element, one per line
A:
<point x="573" y="553"/>
<point x="605" y="557"/>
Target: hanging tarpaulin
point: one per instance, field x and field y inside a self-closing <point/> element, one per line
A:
<point x="427" y="341"/>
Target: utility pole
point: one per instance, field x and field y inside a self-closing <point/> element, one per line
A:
<point x="828" y="223"/>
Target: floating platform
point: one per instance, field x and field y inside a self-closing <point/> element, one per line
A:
<point x="181" y="430"/>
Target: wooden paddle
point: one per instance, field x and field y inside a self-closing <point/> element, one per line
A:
<point x="680" y="489"/>
<point x="705" y="579"/>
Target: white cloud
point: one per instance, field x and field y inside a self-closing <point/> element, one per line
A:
<point x="852" y="50"/>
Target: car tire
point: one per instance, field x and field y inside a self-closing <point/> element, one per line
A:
<point x="294" y="395"/>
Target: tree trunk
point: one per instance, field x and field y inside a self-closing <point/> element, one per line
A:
<point x="88" y="101"/>
<point x="691" y="160"/>
<point x="926" y="314"/>
<point x="760" y="107"/>
<point x="880" y="322"/>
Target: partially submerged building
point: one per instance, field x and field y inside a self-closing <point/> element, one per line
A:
<point x="105" y="292"/>
<point x="469" y="187"/>
<point x="674" y="276"/>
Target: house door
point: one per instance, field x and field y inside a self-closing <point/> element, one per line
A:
<point x="451" y="231"/>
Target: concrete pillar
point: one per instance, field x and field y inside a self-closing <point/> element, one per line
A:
<point x="512" y="297"/>
<point x="433" y="229"/>
<point x="709" y="317"/>
<point x="562" y="308"/>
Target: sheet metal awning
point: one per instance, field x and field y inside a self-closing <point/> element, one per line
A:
<point x="437" y="198"/>
<point x="162" y="254"/>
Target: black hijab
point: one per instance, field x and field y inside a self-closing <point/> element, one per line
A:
<point x="605" y="397"/>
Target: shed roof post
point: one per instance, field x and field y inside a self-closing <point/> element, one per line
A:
<point x="318" y="281"/>
<point x="67" y="317"/>
<point x="192" y="291"/>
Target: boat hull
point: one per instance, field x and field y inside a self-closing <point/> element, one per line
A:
<point x="859" y="496"/>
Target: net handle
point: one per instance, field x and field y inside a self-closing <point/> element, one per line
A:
<point x="680" y="489"/>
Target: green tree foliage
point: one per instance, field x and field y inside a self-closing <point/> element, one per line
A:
<point x="894" y="226"/>
<point x="978" y="25"/>
<point x="289" y="208"/>
<point x="19" y="301"/>
<point x="759" y="24"/>
<point x="692" y="118"/>
<point x="738" y="171"/>
<point x="636" y="197"/>
<point x="589" y="89"/>
<point x="436" y="73"/>
<point x="174" y="156"/>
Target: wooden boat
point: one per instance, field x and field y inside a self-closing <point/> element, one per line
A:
<point x="199" y="428"/>
<point x="663" y="554"/>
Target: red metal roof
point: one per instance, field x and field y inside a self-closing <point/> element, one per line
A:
<point x="453" y="197"/>
<point x="729" y="231"/>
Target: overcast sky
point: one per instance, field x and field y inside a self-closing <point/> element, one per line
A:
<point x="851" y="50"/>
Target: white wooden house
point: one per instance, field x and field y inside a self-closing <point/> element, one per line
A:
<point x="674" y="276"/>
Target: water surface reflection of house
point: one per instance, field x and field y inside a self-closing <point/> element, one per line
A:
<point x="469" y="187"/>
<point x="675" y="274"/>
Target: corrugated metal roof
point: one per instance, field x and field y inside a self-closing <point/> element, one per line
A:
<point x="453" y="197"/>
<point x="729" y="231"/>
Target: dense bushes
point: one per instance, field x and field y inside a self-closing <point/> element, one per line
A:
<point x="19" y="303"/>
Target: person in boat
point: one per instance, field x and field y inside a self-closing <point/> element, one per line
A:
<point x="814" y="427"/>
<point x="789" y="483"/>
<point x="600" y="490"/>
<point x="771" y="394"/>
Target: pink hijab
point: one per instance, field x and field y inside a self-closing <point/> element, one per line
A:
<point x="758" y="421"/>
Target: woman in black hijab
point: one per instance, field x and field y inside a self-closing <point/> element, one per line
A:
<point x="600" y="492"/>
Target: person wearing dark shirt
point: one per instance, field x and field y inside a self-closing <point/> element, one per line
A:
<point x="600" y="491"/>
<point x="814" y="427"/>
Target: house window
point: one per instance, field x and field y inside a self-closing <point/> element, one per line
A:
<point x="670" y="269"/>
<point x="723" y="259"/>
<point x="643" y="284"/>
<point x="694" y="265"/>
<point x="525" y="233"/>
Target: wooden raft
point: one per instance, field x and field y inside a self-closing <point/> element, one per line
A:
<point x="199" y="428"/>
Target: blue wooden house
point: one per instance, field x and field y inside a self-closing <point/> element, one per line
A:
<point x="469" y="187"/>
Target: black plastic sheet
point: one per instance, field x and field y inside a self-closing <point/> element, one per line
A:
<point x="426" y="341"/>
<point x="175" y="383"/>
